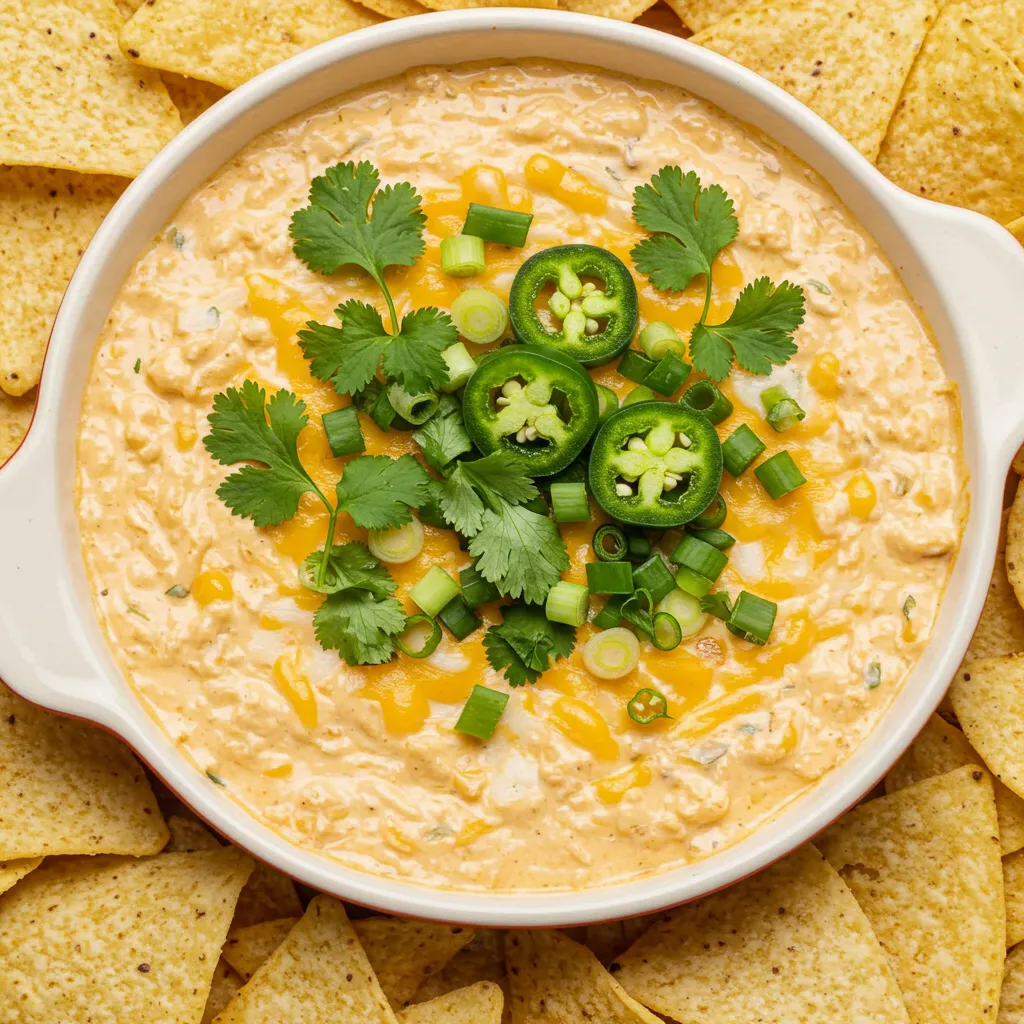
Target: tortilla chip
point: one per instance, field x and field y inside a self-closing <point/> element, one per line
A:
<point x="664" y="19"/>
<point x="462" y="5"/>
<point x="47" y="218"/>
<point x="1011" y="1000"/>
<point x="988" y="696"/>
<point x="847" y="62"/>
<point x="227" y="42"/>
<point x="1017" y="227"/>
<point x="395" y="8"/>
<point x="405" y="953"/>
<point x="1013" y="893"/>
<point x="477" y="1004"/>
<point x="789" y="944"/>
<point x="69" y="98"/>
<point x="1000" y="629"/>
<point x="555" y="979"/>
<point x="1003" y="23"/>
<point x="924" y="865"/>
<point x="700" y="14"/>
<point x="482" y="960"/>
<point x="621" y="10"/>
<point x="248" y="948"/>
<point x="940" y="748"/>
<point x="13" y="871"/>
<point x="319" y="973"/>
<point x="67" y="787"/>
<point x="226" y="984"/>
<point x="191" y="96"/>
<point x="610" y="940"/>
<point x="958" y="132"/>
<point x="15" y="417"/>
<point x="118" y="939"/>
<point x="1015" y="544"/>
<point x="188" y="835"/>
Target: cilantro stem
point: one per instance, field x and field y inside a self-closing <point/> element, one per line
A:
<point x="707" y="299"/>
<point x="321" y="573"/>
<point x="391" y="306"/>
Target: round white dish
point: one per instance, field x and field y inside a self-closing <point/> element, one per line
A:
<point x="965" y="271"/>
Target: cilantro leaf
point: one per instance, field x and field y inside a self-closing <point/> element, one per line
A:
<point x="443" y="437"/>
<point x="758" y="332"/>
<point x="359" y="626"/>
<point x="519" y="551"/>
<point x="377" y="491"/>
<point x="691" y="225"/>
<point x="349" y="566"/>
<point x="245" y="427"/>
<point x="499" y="477"/>
<point x="525" y="642"/>
<point x="335" y="231"/>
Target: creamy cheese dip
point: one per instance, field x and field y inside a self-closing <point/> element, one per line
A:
<point x="362" y="764"/>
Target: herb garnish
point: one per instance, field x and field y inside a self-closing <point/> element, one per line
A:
<point x="525" y="643"/>
<point x="443" y="437"/>
<point x="691" y="225"/>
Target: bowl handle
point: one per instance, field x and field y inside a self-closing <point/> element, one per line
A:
<point x="46" y="653"/>
<point x="981" y="267"/>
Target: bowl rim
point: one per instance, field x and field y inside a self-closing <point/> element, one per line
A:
<point x="33" y="476"/>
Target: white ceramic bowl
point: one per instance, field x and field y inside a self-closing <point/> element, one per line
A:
<point x="965" y="271"/>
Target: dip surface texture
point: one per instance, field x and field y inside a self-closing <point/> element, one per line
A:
<point x="204" y="612"/>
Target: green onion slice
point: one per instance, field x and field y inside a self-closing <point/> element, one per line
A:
<point x="414" y="625"/>
<point x="610" y="615"/>
<point x="415" y="409"/>
<point x="569" y="502"/>
<point x="740" y="449"/>
<point x="434" y="591"/>
<point x="704" y="559"/>
<point x="779" y="475"/>
<point x="654" y="577"/>
<point x="713" y="516"/>
<point x="667" y="634"/>
<point x="873" y="675"/>
<point x="658" y="338"/>
<point x="568" y="603"/>
<point x="463" y="256"/>
<point x="637" y="610"/>
<point x="475" y="589"/>
<point x="718" y="604"/>
<point x="669" y="375"/>
<point x="461" y="365"/>
<point x="609" y="578"/>
<point x="686" y="609"/>
<point x="344" y="435"/>
<point x="781" y="411"/>
<point x="647" y="705"/>
<point x="400" y="544"/>
<point x="641" y="393"/>
<point x="459" y="619"/>
<point x="716" y="538"/>
<point x="610" y="543"/>
<point x="752" y="618"/>
<point x="612" y="654"/>
<point x="481" y="712"/>
<point x="705" y="397"/>
<point x="506" y="227"/>
<point x="692" y="582"/>
<point x="607" y="403"/>
<point x="480" y="316"/>
<point x="635" y="366"/>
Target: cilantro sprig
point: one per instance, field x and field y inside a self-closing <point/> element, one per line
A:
<point x="352" y="221"/>
<point x="690" y="226"/>
<point x="525" y="642"/>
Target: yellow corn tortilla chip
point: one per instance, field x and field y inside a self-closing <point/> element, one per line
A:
<point x="621" y="10"/>
<point x="700" y="14"/>
<point x="227" y="42"/>
<point x="924" y="865"/>
<point x="224" y="988"/>
<point x="1011" y="1000"/>
<point x="1015" y="544"/>
<point x="482" y="960"/>
<point x="69" y="98"/>
<point x="662" y="17"/>
<point x="67" y="787"/>
<point x="847" y="62"/>
<point x="250" y="947"/>
<point x="13" y="871"/>
<point x="612" y="939"/>
<point x="395" y="8"/>
<point x="1017" y="227"/>
<point x="47" y="218"/>
<point x="461" y="5"/>
<point x="15" y="417"/>
<point x="478" y="1004"/>
<point x="117" y="938"/>
<point x="319" y="973"/>
<point x="1013" y="892"/>
<point x="555" y="979"/>
<point x="1000" y="629"/>
<point x="191" y="96"/>
<point x="188" y="835"/>
<point x="957" y="135"/>
<point x="988" y="697"/>
<point x="789" y="945"/>
<point x="1003" y="23"/>
<point x="940" y="748"/>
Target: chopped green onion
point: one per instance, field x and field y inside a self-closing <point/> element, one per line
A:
<point x="637" y="610"/>
<point x="669" y="375"/>
<point x="400" y="544"/>
<point x="569" y="503"/>
<point x="740" y="449"/>
<point x="872" y="675"/>
<point x="685" y="609"/>
<point x="718" y="604"/>
<point x="415" y="409"/>
<point x="779" y="475"/>
<point x="700" y="557"/>
<point x="713" y="516"/>
<point x="647" y="705"/>
<point x="179" y="591"/>
<point x="667" y="634"/>
<point x="752" y="618"/>
<point x="655" y="577"/>
<point x="610" y="615"/>
<point x="716" y="538"/>
<point x="434" y="591"/>
<point x="138" y="365"/>
<point x="475" y="589"/>
<point x="480" y="316"/>
<point x="568" y="603"/>
<point x="639" y="544"/>
<point x="692" y="582"/>
<point x="612" y="654"/>
<point x="458" y="617"/>
<point x="480" y="714"/>
<point x="635" y="366"/>
<point x="658" y="339"/>
<point x="344" y="435"/>
<point x="506" y="227"/>
<point x="705" y="397"/>
<point x="382" y="412"/>
<point x="781" y="411"/>
<point x="611" y="543"/>
<point x="638" y="394"/>
<point x="461" y="365"/>
<point x="908" y="607"/>
<point x="610" y="578"/>
<point x="607" y="403"/>
<point x="463" y="256"/>
<point x="414" y="626"/>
